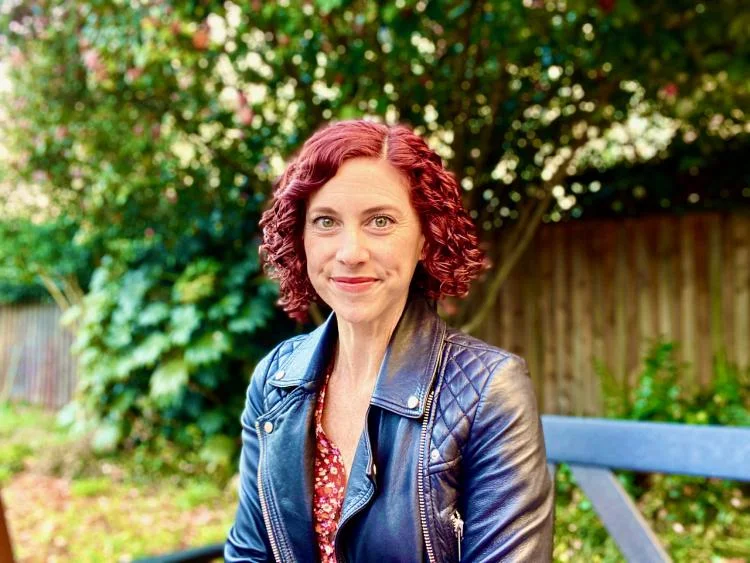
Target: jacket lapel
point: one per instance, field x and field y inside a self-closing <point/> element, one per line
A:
<point x="411" y="359"/>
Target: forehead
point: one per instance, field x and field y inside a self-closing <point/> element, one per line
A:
<point x="366" y="182"/>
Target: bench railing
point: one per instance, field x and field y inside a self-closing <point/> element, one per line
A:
<point x="592" y="447"/>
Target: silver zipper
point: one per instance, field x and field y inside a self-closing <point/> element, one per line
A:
<point x="420" y="480"/>
<point x="458" y="529"/>
<point x="262" y="496"/>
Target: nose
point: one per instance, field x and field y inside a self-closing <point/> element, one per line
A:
<point x="352" y="248"/>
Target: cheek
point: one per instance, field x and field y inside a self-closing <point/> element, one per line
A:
<point x="316" y="252"/>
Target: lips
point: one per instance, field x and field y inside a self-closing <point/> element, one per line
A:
<point x="354" y="284"/>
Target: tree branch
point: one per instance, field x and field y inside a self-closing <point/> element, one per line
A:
<point x="527" y="226"/>
<point x="55" y="292"/>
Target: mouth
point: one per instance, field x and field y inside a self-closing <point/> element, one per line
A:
<point x="354" y="284"/>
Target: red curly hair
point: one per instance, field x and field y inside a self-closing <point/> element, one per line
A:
<point x="452" y="255"/>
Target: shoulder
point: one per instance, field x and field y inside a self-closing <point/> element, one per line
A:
<point x="495" y="378"/>
<point x="271" y="363"/>
<point x="479" y="360"/>
<point x="284" y="350"/>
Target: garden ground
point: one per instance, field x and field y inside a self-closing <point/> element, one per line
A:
<point x="63" y="504"/>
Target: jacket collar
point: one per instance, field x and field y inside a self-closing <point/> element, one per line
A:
<point x="409" y="365"/>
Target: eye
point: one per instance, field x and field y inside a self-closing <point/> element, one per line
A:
<point x="382" y="221"/>
<point x="324" y="222"/>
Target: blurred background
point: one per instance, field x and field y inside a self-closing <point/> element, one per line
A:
<point x="602" y="147"/>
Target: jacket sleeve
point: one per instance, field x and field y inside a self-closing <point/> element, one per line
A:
<point x="247" y="540"/>
<point x="508" y="495"/>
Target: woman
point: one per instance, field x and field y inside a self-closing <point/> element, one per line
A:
<point x="384" y="435"/>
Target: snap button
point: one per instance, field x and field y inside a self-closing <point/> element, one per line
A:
<point x="280" y="374"/>
<point x="412" y="402"/>
<point x="268" y="426"/>
<point x="434" y="454"/>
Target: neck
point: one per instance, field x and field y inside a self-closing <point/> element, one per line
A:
<point x="361" y="348"/>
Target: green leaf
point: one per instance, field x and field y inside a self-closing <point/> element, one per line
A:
<point x="184" y="320"/>
<point x="190" y="291"/>
<point x="207" y="349"/>
<point x="218" y="451"/>
<point x="169" y="379"/>
<point x="327" y="6"/>
<point x="254" y="315"/>
<point x="153" y="314"/>
<point x="148" y="351"/>
<point x="459" y="10"/>
<point x="135" y="283"/>
<point x="69" y="317"/>
<point x="106" y="437"/>
<point x="212" y="421"/>
<point x="226" y="307"/>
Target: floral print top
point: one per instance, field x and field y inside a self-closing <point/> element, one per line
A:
<point x="330" y="484"/>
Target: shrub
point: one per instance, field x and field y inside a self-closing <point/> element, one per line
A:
<point x="167" y="341"/>
<point x="696" y="518"/>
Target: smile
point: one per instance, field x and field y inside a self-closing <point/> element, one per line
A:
<point x="354" y="285"/>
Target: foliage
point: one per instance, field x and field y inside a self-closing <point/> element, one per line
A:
<point x="168" y="339"/>
<point x="32" y="254"/>
<point x="162" y="109"/>
<point x="664" y="394"/>
<point x="696" y="518"/>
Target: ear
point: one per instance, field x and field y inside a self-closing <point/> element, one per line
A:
<point x="422" y="248"/>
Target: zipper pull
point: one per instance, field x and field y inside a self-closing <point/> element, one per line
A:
<point x="458" y="529"/>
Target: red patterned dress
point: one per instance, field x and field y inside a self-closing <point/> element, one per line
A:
<point x="330" y="484"/>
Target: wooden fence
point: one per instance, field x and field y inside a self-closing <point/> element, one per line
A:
<point x="35" y="360"/>
<point x="603" y="289"/>
<point x="584" y="290"/>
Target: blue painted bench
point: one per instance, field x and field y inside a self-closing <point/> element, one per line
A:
<point x="593" y="447"/>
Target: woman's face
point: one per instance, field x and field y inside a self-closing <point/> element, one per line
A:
<point x="363" y="241"/>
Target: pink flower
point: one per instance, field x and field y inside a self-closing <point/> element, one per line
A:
<point x="133" y="74"/>
<point x="245" y="115"/>
<point x="91" y="60"/>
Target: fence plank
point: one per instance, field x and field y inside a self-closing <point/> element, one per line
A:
<point x="687" y="297"/>
<point x="714" y="284"/>
<point x="742" y="289"/>
<point x="728" y="252"/>
<point x="547" y="329"/>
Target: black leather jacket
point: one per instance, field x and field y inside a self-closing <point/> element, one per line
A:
<point x="451" y="464"/>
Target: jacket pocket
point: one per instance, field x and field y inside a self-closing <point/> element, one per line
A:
<point x="446" y="521"/>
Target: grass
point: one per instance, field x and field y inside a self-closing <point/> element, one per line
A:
<point x="65" y="504"/>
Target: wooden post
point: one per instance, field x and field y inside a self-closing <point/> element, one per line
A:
<point x="6" y="552"/>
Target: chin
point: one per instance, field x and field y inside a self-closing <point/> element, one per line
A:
<point x="355" y="313"/>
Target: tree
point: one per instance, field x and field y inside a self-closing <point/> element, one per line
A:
<point x="151" y="124"/>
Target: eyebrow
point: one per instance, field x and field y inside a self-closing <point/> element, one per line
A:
<point x="368" y="211"/>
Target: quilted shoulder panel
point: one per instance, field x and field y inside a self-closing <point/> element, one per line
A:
<point x="468" y="364"/>
<point x="272" y="395"/>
